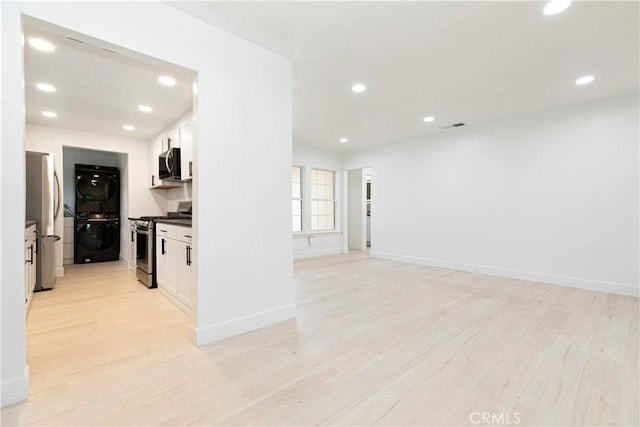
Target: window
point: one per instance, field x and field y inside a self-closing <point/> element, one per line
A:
<point x="296" y="202"/>
<point x="323" y="203"/>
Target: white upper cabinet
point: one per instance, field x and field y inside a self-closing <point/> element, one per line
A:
<point x="173" y="140"/>
<point x="186" y="151"/>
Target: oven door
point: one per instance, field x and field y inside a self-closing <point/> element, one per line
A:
<point x="143" y="250"/>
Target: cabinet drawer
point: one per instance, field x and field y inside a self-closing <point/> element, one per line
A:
<point x="68" y="234"/>
<point x="167" y="231"/>
<point x="184" y="234"/>
<point x="67" y="250"/>
<point x="29" y="233"/>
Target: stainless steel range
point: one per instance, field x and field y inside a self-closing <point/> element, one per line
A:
<point x="146" y="237"/>
<point x="145" y="251"/>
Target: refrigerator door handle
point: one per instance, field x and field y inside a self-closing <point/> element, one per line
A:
<point x="58" y="197"/>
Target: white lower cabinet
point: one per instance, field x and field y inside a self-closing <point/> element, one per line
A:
<point x="183" y="271"/>
<point x="174" y="253"/>
<point x="68" y="238"/>
<point x="30" y="248"/>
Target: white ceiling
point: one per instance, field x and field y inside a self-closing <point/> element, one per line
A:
<point x="99" y="90"/>
<point x="457" y="61"/>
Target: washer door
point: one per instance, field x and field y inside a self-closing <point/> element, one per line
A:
<point x="98" y="236"/>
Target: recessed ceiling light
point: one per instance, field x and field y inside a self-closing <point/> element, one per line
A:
<point x="129" y="128"/>
<point x="429" y="119"/>
<point x="585" y="80"/>
<point x="358" y="87"/>
<point x="556" y="6"/>
<point x="167" y="81"/>
<point x="46" y="87"/>
<point x="145" y="108"/>
<point x="41" y="44"/>
<point x="343" y="140"/>
<point x="49" y="114"/>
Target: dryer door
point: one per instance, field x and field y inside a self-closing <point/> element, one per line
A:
<point x="97" y="193"/>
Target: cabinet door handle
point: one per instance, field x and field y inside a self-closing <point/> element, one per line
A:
<point x="186" y="254"/>
<point x="190" y="168"/>
<point x="31" y="254"/>
<point x="132" y="236"/>
<point x="163" y="252"/>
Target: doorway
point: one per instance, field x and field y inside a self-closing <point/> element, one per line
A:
<point x="359" y="208"/>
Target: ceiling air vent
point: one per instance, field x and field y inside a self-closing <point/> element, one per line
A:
<point x="75" y="40"/>
<point x="454" y="125"/>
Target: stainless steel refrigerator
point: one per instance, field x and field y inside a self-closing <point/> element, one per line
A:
<point x="43" y="205"/>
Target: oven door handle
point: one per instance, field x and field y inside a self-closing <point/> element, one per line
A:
<point x="98" y="220"/>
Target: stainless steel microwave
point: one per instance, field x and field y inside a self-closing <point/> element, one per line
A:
<point x="169" y="164"/>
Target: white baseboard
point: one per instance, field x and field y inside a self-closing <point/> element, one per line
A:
<point x="241" y="325"/>
<point x="16" y="389"/>
<point x="572" y="282"/>
<point x="319" y="252"/>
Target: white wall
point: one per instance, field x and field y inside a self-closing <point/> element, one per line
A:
<point x="550" y="196"/>
<point x="244" y="102"/>
<point x="49" y="139"/>
<point x="125" y="235"/>
<point x="309" y="243"/>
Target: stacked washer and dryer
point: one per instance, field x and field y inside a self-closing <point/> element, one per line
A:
<point x="97" y="216"/>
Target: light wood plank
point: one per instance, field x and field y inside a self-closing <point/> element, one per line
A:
<point x="375" y="343"/>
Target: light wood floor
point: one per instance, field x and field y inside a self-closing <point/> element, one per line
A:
<point x="375" y="343"/>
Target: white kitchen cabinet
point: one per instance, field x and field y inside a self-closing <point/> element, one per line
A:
<point x="27" y="269"/>
<point x="68" y="241"/>
<point x="186" y="152"/>
<point x="174" y="139"/>
<point x="184" y="262"/>
<point x="30" y="248"/>
<point x="166" y="265"/>
<point x="174" y="254"/>
<point x="133" y="246"/>
<point x="157" y="148"/>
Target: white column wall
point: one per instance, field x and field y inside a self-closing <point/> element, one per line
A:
<point x="242" y="150"/>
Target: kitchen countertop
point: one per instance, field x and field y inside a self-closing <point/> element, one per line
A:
<point x="184" y="222"/>
<point x="30" y="222"/>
